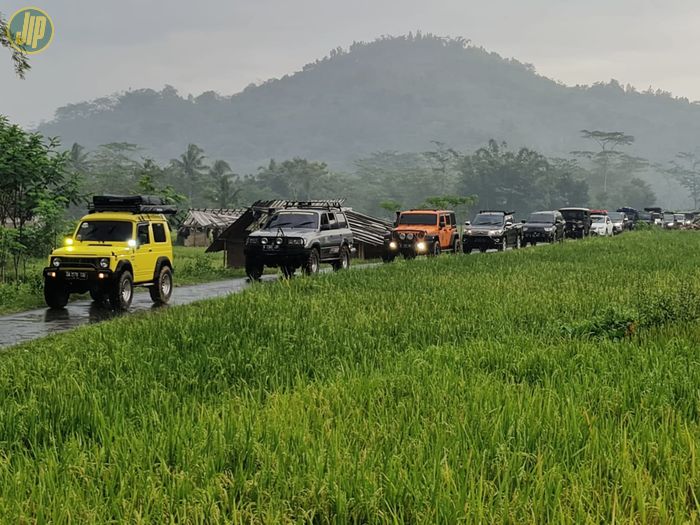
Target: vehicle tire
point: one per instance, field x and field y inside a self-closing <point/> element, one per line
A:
<point x="387" y="257"/>
<point x="482" y="250"/>
<point x="456" y="246"/>
<point x="312" y="263"/>
<point x="98" y="294"/>
<point x="55" y="296"/>
<point x="162" y="289"/>
<point x="435" y="249"/>
<point x="254" y="270"/>
<point x="466" y="249"/>
<point x="409" y="256"/>
<point x="122" y="291"/>
<point x="288" y="271"/>
<point x="523" y="243"/>
<point x="344" y="262"/>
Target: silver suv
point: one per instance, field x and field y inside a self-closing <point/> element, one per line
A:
<point x="300" y="237"/>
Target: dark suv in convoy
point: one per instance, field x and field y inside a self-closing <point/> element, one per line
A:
<point x="544" y="226"/>
<point x="301" y="235"/>
<point x="491" y="229"/>
<point x="578" y="222"/>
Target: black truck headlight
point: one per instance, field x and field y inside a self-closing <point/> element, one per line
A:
<point x="56" y="262"/>
<point x="296" y="242"/>
<point x="279" y="241"/>
<point x="104" y="263"/>
<point x="263" y="240"/>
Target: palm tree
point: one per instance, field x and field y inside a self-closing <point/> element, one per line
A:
<point x="78" y="159"/>
<point x="223" y="192"/>
<point x="191" y="164"/>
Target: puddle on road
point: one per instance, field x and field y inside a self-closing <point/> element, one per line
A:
<point x="25" y="326"/>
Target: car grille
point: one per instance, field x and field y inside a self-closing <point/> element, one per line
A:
<point x="79" y="262"/>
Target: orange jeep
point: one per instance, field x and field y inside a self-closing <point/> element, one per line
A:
<point x="422" y="232"/>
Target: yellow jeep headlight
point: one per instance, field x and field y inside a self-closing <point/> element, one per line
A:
<point x="104" y="263"/>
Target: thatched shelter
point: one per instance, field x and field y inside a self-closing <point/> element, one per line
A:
<point x="202" y="225"/>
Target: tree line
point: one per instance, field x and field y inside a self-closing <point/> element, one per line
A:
<point x="43" y="186"/>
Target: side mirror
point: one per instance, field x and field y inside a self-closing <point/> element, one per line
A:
<point x="523" y="221"/>
<point x="509" y="223"/>
<point x="467" y="223"/>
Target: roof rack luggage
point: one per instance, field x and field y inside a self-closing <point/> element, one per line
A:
<point x="131" y="204"/>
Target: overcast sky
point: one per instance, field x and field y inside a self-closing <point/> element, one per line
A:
<point x="111" y="45"/>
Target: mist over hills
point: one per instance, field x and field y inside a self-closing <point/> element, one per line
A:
<point x="396" y="93"/>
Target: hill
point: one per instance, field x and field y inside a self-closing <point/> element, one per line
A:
<point x="391" y="94"/>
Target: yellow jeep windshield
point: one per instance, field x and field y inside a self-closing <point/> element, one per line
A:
<point x="105" y="231"/>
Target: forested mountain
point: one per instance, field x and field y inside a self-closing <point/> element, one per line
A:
<point x="392" y="94"/>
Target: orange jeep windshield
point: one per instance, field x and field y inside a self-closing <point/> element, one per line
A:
<point x="418" y="218"/>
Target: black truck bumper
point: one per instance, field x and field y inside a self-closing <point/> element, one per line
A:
<point x="275" y="256"/>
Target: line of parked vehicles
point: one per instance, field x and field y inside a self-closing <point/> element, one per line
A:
<point x="125" y="241"/>
<point x="431" y="232"/>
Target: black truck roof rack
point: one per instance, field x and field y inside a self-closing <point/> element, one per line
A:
<point x="130" y="204"/>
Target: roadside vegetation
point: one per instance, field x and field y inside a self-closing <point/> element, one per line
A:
<point x="192" y="266"/>
<point x="550" y="384"/>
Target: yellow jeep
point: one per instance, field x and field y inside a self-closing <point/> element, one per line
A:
<point x="123" y="242"/>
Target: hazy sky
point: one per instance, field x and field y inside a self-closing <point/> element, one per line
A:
<point x="105" y="46"/>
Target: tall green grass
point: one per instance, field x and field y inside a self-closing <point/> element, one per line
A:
<point x="551" y="384"/>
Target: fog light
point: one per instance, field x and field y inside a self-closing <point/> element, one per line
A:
<point x="393" y="245"/>
<point x="420" y="246"/>
<point x="52" y="274"/>
<point x="101" y="275"/>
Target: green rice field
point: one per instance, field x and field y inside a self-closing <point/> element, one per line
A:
<point x="552" y="384"/>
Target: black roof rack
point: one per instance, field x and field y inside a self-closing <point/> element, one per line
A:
<point x="497" y="211"/>
<point x="130" y="204"/>
<point x="323" y="204"/>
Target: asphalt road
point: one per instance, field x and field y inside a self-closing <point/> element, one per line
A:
<point x="25" y="326"/>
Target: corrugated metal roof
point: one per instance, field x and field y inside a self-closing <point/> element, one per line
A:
<point x="365" y="229"/>
<point x="211" y="218"/>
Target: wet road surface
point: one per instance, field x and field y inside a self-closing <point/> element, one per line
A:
<point x="25" y="326"/>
